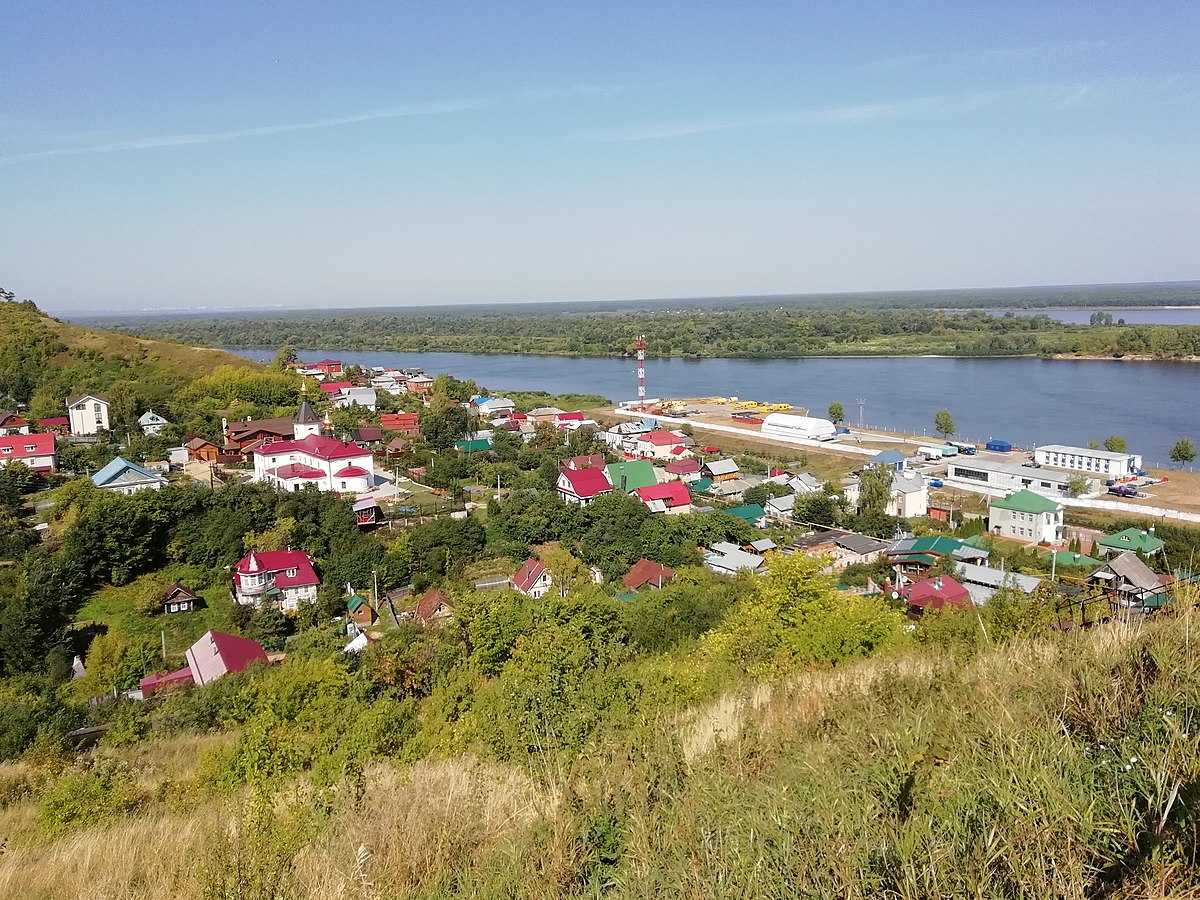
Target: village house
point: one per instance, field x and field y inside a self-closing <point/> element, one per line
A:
<point x="329" y="368"/>
<point x="284" y="578"/>
<point x="332" y="388"/>
<point x="720" y="470"/>
<point x="660" y="445"/>
<point x="589" y="461"/>
<point x="88" y="414"/>
<point x="725" y="558"/>
<point x="12" y="423"/>
<point x="151" y="422"/>
<point x="982" y="582"/>
<point x="845" y="548"/>
<point x="433" y="608"/>
<point x="124" y="477"/>
<point x="910" y="558"/>
<point x="1146" y="543"/>
<point x="1130" y="584"/>
<point x="366" y="436"/>
<point x="203" y="450"/>
<point x="626" y="477"/>
<point x="685" y="470"/>
<point x="56" y="424"/>
<point x="910" y="497"/>
<point x="780" y="507"/>
<point x="582" y="486"/>
<point x="37" y="451"/>
<point x="325" y="463"/>
<point x="649" y="574"/>
<point x="1026" y="516"/>
<point x="355" y="396"/>
<point x="934" y="594"/>
<point x="401" y="423"/>
<point x="670" y="497"/>
<point x="532" y="579"/>
<point x="751" y="514"/>
<point x="179" y="598"/>
<point x="418" y="384"/>
<point x="217" y="654"/>
<point x="361" y="613"/>
<point x="492" y="407"/>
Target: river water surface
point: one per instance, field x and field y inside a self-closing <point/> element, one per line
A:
<point x="1026" y="401"/>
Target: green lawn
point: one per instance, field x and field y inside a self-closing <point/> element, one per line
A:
<point x="117" y="607"/>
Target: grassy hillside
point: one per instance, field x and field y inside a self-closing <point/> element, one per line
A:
<point x="1062" y="767"/>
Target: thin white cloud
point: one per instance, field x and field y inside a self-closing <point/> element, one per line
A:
<point x="431" y="108"/>
<point x="980" y="55"/>
<point x="1040" y="96"/>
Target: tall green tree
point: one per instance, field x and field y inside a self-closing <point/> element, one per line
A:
<point x="1114" y="443"/>
<point x="943" y="422"/>
<point x="837" y="413"/>
<point x="1183" y="451"/>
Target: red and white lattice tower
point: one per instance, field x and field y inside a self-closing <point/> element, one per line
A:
<point x="640" y="346"/>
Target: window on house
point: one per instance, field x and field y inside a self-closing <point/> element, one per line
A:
<point x="99" y="414"/>
<point x="343" y="485"/>
<point x="291" y="573"/>
<point x="29" y="448"/>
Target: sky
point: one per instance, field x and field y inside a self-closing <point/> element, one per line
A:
<point x="163" y="156"/>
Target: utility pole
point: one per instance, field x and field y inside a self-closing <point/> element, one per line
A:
<point x="862" y="402"/>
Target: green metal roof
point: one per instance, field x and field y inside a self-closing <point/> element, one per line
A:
<point x="751" y="512"/>
<point x="638" y="473"/>
<point x="915" y="557"/>
<point x="473" y="446"/>
<point x="1026" y="502"/>
<point x="1133" y="539"/>
<point x="699" y="487"/>
<point x="941" y="545"/>
<point x="355" y="602"/>
<point x="1067" y="558"/>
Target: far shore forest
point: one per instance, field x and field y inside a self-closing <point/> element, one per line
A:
<point x="743" y="328"/>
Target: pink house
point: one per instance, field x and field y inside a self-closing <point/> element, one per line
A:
<point x="685" y="470"/>
<point x="661" y="445"/>
<point x="217" y="654"/>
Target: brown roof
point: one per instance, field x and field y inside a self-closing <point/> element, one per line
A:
<point x="1130" y="567"/>
<point x="197" y="442"/>
<point x="645" y="572"/>
<point x="430" y="602"/>
<point x="71" y="401"/>
<point x="283" y="426"/>
<point x="177" y="589"/>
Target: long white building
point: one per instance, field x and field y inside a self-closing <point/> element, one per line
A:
<point x="323" y="462"/>
<point x="807" y="427"/>
<point x="1004" y="478"/>
<point x="1082" y="459"/>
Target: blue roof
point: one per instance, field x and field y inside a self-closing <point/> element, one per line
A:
<point x="888" y="457"/>
<point x="115" y="468"/>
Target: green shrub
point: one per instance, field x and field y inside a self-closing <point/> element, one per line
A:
<point x="84" y="799"/>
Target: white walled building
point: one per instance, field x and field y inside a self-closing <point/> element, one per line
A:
<point x="1026" y="516"/>
<point x="1102" y="463"/>
<point x="910" y="496"/>
<point x="328" y="464"/>
<point x="88" y="414"/>
<point x="152" y="423"/>
<point x="38" y="451"/>
<point x="1003" y="478"/>
<point x="285" y="578"/>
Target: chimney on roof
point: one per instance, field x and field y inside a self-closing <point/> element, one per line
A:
<point x="937" y="582"/>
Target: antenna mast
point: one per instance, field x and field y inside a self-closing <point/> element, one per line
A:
<point x="640" y="346"/>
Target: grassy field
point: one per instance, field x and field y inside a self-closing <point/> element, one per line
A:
<point x="177" y="357"/>
<point x="118" y="607"/>
<point x="1061" y="767"/>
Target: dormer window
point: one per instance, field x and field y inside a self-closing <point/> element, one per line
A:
<point x="291" y="573"/>
<point x="29" y="448"/>
<point x="7" y="449"/>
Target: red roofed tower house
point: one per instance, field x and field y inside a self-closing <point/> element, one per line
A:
<point x="282" y="577"/>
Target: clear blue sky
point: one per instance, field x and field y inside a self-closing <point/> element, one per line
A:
<point x="172" y="155"/>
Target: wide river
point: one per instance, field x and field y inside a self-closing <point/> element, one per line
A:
<point x="1026" y="401"/>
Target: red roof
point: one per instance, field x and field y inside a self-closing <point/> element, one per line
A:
<point x="328" y="362"/>
<point x="682" y="466"/>
<point x="14" y="446"/>
<point x="590" y="482"/>
<point x="236" y="652"/>
<point x="528" y="575"/>
<point x="296" y="470"/>
<point x="332" y="387"/>
<point x="279" y="562"/>
<point x="12" y="420"/>
<point x="645" y="572"/>
<point x="351" y="472"/>
<point x="159" y="680"/>
<point x="398" y="421"/>
<point x="710" y="449"/>
<point x="570" y="417"/>
<point x="660" y="438"/>
<point x="54" y="421"/>
<point x="936" y="592"/>
<point x="317" y="445"/>
<point x="590" y="461"/>
<point x="429" y="604"/>
<point x="673" y="493"/>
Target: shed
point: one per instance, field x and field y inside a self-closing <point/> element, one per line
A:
<point x="997" y="446"/>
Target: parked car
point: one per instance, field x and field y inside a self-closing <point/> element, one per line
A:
<point x="1123" y="490"/>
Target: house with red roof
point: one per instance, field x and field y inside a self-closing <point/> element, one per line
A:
<point x="331" y="388"/>
<point x="401" y="423"/>
<point x="647" y="573"/>
<point x="217" y="654"/>
<point x="57" y="424"/>
<point x="934" y="593"/>
<point x="532" y="579"/>
<point x="165" y="681"/>
<point x="284" y="578"/>
<point x="569" y="419"/>
<point x="670" y="497"/>
<point x="661" y="445"/>
<point x="330" y="368"/>
<point x="685" y="470"/>
<point x="12" y="423"/>
<point x="38" y="451"/>
<point x="324" y="462"/>
<point x="582" y="486"/>
<point x="589" y="461"/>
